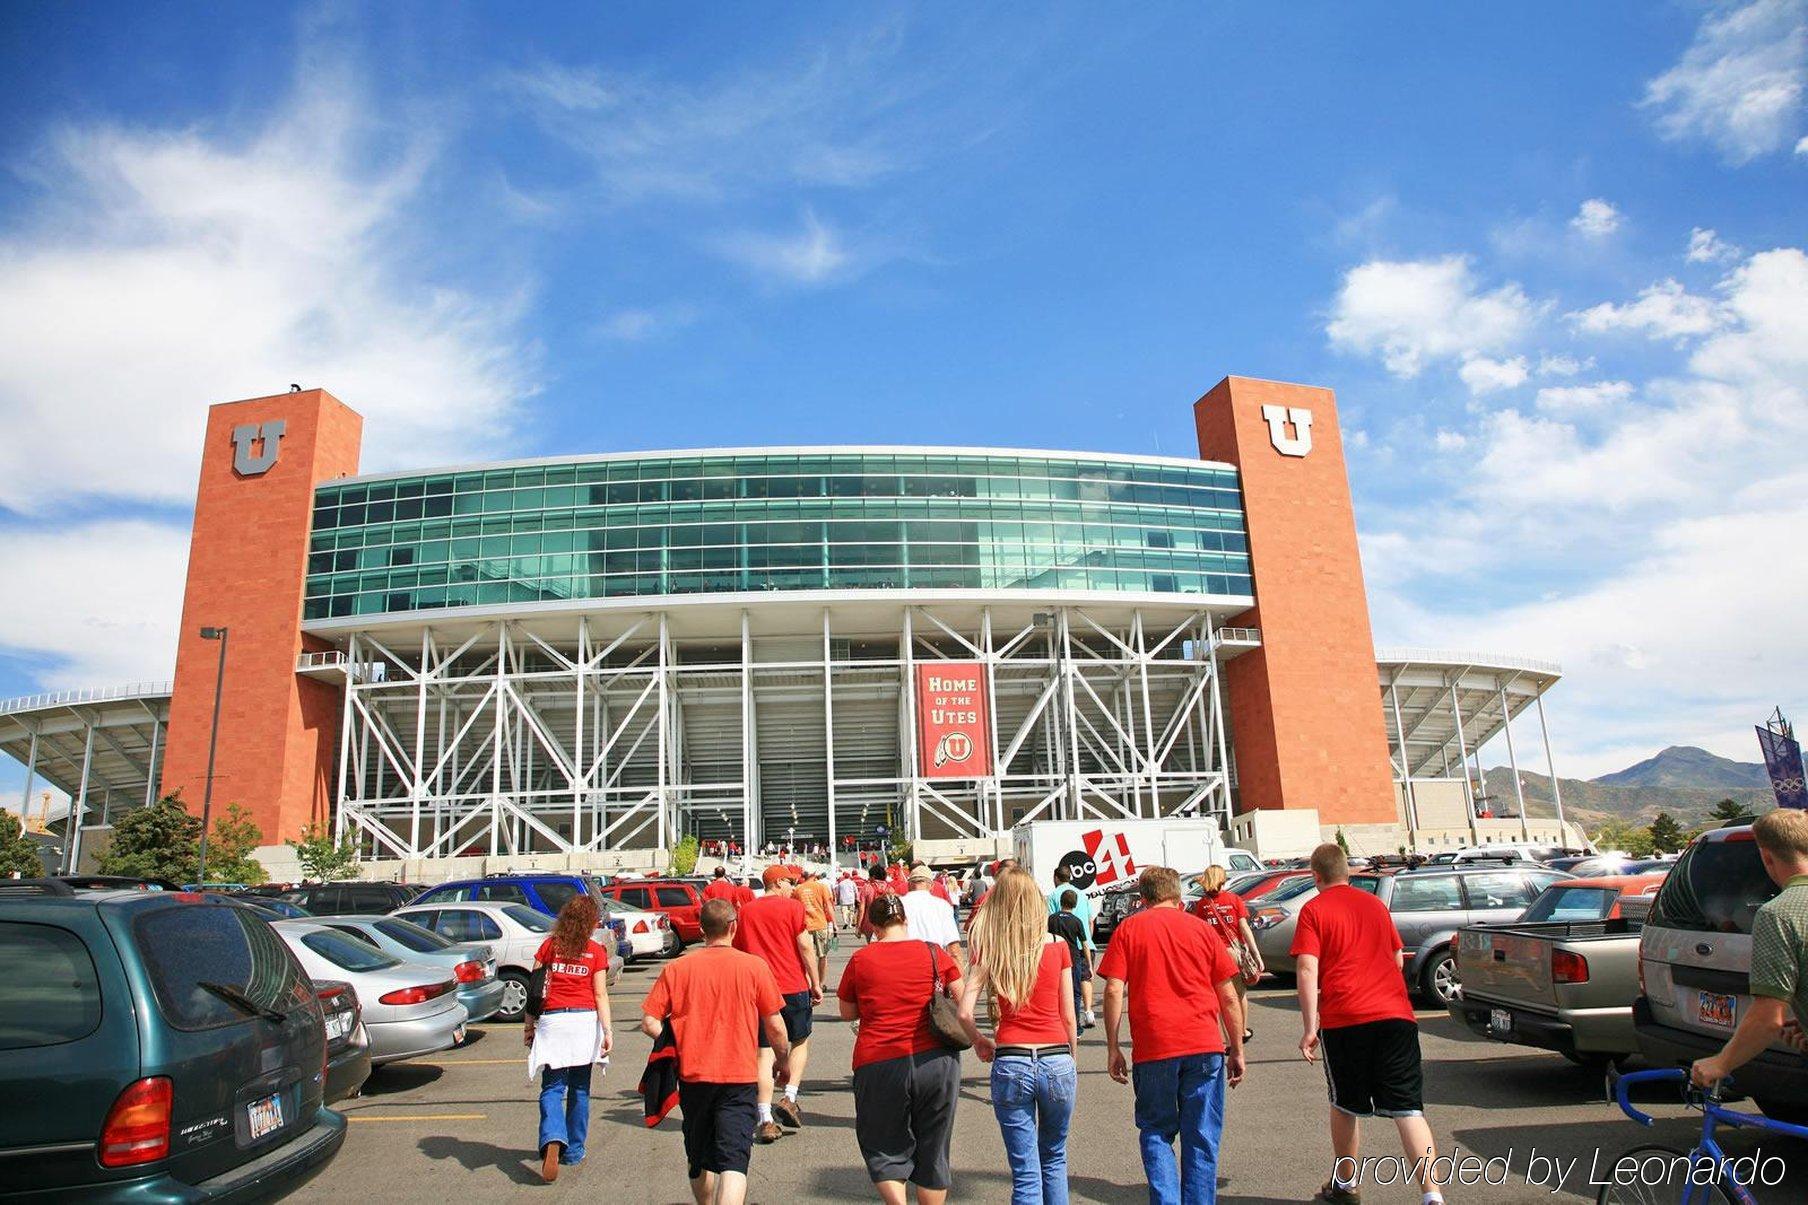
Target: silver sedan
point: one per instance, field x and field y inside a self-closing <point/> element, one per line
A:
<point x="409" y="1010"/>
<point x="473" y="967"/>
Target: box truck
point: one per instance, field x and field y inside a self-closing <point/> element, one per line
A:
<point x="1105" y="853"/>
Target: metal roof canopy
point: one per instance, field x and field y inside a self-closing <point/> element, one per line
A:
<point x="1442" y="705"/>
<point x="99" y="747"/>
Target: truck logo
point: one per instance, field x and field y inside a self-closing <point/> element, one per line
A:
<point x="1101" y="861"/>
<point x="1277" y="417"/>
<point x="249" y="463"/>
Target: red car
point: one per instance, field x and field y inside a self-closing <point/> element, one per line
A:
<point x="1262" y="886"/>
<point x="680" y="903"/>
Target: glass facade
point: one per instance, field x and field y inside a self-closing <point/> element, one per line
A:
<point x="656" y="524"/>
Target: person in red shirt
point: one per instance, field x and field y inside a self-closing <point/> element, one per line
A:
<point x="906" y="1082"/>
<point x="568" y="1033"/>
<point x="775" y="928"/>
<point x="717" y="1001"/>
<point x="1186" y="1035"/>
<point x="874" y="885"/>
<point x="1037" y="1040"/>
<point x="1228" y="916"/>
<point x="720" y="887"/>
<point x="1355" y="1010"/>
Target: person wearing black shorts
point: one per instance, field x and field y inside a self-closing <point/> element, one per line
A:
<point x="1355" y="1011"/>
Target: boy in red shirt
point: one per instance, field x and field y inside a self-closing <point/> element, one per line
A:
<point x="1354" y="1006"/>
<point x="1181" y="1023"/>
<point x="717" y="1000"/>
<point x="775" y="929"/>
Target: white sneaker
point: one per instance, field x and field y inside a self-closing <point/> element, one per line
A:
<point x="1091" y="1018"/>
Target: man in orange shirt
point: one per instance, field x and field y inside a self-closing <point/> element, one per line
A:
<point x="718" y="1001"/>
<point x="819" y="919"/>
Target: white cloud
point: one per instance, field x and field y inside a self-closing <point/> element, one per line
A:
<point x="1741" y="82"/>
<point x="1707" y="247"/>
<point x="1559" y="399"/>
<point x="165" y="271"/>
<point x="1801" y="146"/>
<point x="640" y="325"/>
<point x="1665" y="310"/>
<point x="1483" y="375"/>
<point x="1563" y="366"/>
<point x="814" y="255"/>
<point x="97" y="603"/>
<point x="1411" y="312"/>
<point x="1450" y="441"/>
<point x="1596" y="218"/>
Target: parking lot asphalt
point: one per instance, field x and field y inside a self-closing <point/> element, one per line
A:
<point x="461" y="1126"/>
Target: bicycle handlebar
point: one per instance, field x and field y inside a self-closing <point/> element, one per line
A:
<point x="1708" y="1099"/>
<point x="1621" y="1083"/>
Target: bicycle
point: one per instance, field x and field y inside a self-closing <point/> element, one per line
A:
<point x="1708" y="1176"/>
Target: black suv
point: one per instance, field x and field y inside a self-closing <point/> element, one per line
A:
<point x="155" y="1046"/>
<point x="350" y="899"/>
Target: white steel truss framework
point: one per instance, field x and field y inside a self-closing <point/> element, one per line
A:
<point x="508" y="741"/>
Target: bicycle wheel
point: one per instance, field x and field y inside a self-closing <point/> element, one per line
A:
<point x="1658" y="1176"/>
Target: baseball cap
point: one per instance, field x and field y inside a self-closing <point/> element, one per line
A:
<point x="920" y="874"/>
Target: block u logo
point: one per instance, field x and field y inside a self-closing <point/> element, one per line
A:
<point x="1278" y="418"/>
<point x="254" y="447"/>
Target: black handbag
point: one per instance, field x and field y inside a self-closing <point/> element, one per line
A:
<point x="536" y="991"/>
<point x="944" y="1013"/>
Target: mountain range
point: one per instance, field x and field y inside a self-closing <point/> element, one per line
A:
<point x="1685" y="781"/>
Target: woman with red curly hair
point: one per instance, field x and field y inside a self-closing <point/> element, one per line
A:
<point x="570" y="1032"/>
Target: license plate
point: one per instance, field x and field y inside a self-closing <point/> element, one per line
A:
<point x="458" y="1036"/>
<point x="1717" y="1010"/>
<point x="265" y="1116"/>
<point x="338" y="1025"/>
<point x="1500" y="1020"/>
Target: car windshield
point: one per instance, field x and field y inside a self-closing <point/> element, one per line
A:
<point x="411" y="936"/>
<point x="1717" y="887"/>
<point x="527" y="918"/>
<point x="1571" y="904"/>
<point x="346" y="953"/>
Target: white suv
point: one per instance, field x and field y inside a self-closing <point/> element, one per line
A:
<point x="1695" y="957"/>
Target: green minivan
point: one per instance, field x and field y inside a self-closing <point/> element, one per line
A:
<point x="154" y="1046"/>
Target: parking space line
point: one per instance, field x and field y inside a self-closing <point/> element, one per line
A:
<point x="471" y="1062"/>
<point x="423" y="1117"/>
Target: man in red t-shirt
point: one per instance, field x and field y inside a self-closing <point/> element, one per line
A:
<point x="1354" y="1007"/>
<point x="720" y="887"/>
<point x="1186" y="1035"/>
<point x="717" y="1001"/>
<point x="776" y="929"/>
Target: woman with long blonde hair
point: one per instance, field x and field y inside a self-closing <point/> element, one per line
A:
<point x="1225" y="912"/>
<point x="1036" y="1043"/>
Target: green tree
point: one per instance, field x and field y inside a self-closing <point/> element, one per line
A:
<point x="18" y="853"/>
<point x="684" y="855"/>
<point x="1729" y="811"/>
<point x="1623" y="835"/>
<point x="1666" y="834"/>
<point x="229" y="860"/>
<point x="157" y="842"/>
<point x="322" y="859"/>
<point x="1343" y="843"/>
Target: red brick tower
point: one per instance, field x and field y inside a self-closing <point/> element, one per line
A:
<point x="247" y="566"/>
<point x="1304" y="708"/>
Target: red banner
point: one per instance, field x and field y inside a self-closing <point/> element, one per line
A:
<point x="953" y="726"/>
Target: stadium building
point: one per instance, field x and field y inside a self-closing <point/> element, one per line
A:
<point x="579" y="660"/>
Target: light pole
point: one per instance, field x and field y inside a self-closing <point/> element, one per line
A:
<point x="213" y="742"/>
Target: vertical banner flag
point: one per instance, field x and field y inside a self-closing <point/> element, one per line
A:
<point x="953" y="728"/>
<point x="1783" y="758"/>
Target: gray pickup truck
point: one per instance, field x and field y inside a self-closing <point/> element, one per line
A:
<point x="1562" y="985"/>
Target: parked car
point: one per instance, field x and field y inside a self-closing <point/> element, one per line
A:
<point x="1695" y="965"/>
<point x="408" y="1010"/>
<point x="155" y="1046"/>
<point x="512" y="932"/>
<point x="1563" y="976"/>
<point x="473" y="967"/>
<point x="649" y="933"/>
<point x="347" y="1044"/>
<point x="1262" y="882"/>
<point x="680" y="903"/>
<point x="545" y="893"/>
<point x="349" y="899"/>
<point x="1429" y="906"/>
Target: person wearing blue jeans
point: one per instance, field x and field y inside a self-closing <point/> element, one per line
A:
<point x="1029" y="972"/>
<point x="565" y="1110"/>
<point x="1181" y="1098"/>
<point x="1186" y="1033"/>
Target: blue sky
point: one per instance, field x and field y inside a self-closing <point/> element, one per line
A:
<point x="1549" y="257"/>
